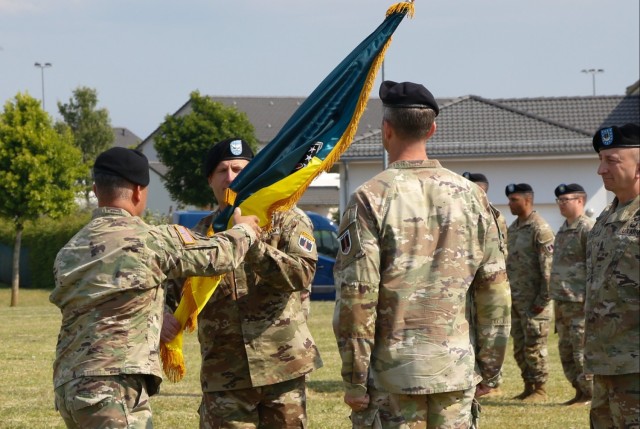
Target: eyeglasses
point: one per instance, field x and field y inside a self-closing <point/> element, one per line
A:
<point x="565" y="200"/>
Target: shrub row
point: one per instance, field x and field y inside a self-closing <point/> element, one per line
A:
<point x="43" y="239"/>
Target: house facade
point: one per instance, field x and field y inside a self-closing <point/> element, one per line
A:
<point x="542" y="141"/>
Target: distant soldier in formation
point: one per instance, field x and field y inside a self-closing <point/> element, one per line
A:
<point x="415" y="242"/>
<point x="530" y="244"/>
<point x="568" y="285"/>
<point x="612" y="348"/>
<point x="109" y="289"/>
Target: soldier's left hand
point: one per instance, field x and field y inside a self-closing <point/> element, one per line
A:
<point x="170" y="327"/>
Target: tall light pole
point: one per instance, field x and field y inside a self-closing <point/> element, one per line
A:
<point x="42" y="67"/>
<point x="593" y="73"/>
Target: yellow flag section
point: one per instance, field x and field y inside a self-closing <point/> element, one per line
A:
<point x="195" y="294"/>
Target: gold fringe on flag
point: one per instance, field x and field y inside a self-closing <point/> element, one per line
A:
<point x="195" y="294"/>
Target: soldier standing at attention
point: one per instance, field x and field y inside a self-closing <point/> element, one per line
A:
<point x="416" y="241"/>
<point x="109" y="280"/>
<point x="255" y="344"/>
<point x="530" y="245"/>
<point x="482" y="181"/>
<point x="568" y="285"/>
<point x="612" y="331"/>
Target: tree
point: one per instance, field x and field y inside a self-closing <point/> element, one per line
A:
<point x="91" y="129"/>
<point x="182" y="141"/>
<point x="39" y="170"/>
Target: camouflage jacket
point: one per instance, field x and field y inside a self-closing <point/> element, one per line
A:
<point x="108" y="288"/>
<point x="418" y="245"/>
<point x="569" y="266"/>
<point x="253" y="331"/>
<point x="530" y="245"/>
<point x="502" y="228"/>
<point x="612" y="305"/>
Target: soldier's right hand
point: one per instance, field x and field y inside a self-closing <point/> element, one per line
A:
<point x="251" y="220"/>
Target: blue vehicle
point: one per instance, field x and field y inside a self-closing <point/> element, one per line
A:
<point x="325" y="232"/>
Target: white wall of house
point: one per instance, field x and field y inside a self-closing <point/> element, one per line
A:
<point x="543" y="174"/>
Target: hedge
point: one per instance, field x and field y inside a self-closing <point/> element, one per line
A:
<point x="43" y="239"/>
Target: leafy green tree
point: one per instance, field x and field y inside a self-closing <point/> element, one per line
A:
<point x="39" y="170"/>
<point x="91" y="128"/>
<point x="182" y="142"/>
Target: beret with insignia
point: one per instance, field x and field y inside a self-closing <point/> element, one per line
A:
<point x="613" y="137"/>
<point x="233" y="148"/>
<point x="571" y="188"/>
<point x="129" y="164"/>
<point x="407" y="95"/>
<point x="475" y="177"/>
<point x="520" y="188"/>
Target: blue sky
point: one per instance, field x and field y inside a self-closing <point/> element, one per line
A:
<point x="144" y="57"/>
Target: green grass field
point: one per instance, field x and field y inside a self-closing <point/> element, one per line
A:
<point x="29" y="332"/>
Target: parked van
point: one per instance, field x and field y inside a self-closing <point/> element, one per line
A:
<point x="325" y="232"/>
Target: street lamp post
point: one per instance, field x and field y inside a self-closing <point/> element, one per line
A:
<point x="42" y="66"/>
<point x="593" y="73"/>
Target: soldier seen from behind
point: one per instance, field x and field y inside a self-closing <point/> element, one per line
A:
<point x="422" y="310"/>
<point x="109" y="279"/>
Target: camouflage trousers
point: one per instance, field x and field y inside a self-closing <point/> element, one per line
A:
<point x="616" y="402"/>
<point x="281" y="405"/>
<point x="569" y="318"/>
<point x="530" y="334"/>
<point x="446" y="410"/>
<point x="112" y="402"/>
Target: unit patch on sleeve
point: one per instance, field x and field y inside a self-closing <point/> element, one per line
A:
<point x="306" y="242"/>
<point x="184" y="234"/>
<point x="345" y="242"/>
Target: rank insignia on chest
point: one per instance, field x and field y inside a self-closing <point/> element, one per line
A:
<point x="184" y="234"/>
<point x="306" y="242"/>
<point x="345" y="242"/>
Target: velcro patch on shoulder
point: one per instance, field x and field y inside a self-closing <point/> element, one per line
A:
<point x="184" y="234"/>
<point x="306" y="241"/>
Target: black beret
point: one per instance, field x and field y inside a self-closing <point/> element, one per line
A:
<point x="517" y="189"/>
<point x="233" y="148"/>
<point x="407" y="94"/>
<point x="475" y="177"/>
<point x="571" y="188"/>
<point x="129" y="164"/>
<point x="612" y="137"/>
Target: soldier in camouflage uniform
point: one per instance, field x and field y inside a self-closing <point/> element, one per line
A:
<point x="567" y="288"/>
<point x="418" y="244"/>
<point x="612" y="331"/>
<point x="254" y="340"/>
<point x="109" y="289"/>
<point x="482" y="182"/>
<point x="530" y="244"/>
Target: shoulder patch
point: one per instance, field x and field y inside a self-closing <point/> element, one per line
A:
<point x="345" y="242"/>
<point x="306" y="241"/>
<point x="184" y="234"/>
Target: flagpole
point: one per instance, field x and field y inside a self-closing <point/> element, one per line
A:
<point x="385" y="157"/>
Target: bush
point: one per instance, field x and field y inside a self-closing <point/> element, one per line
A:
<point x="43" y="239"/>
